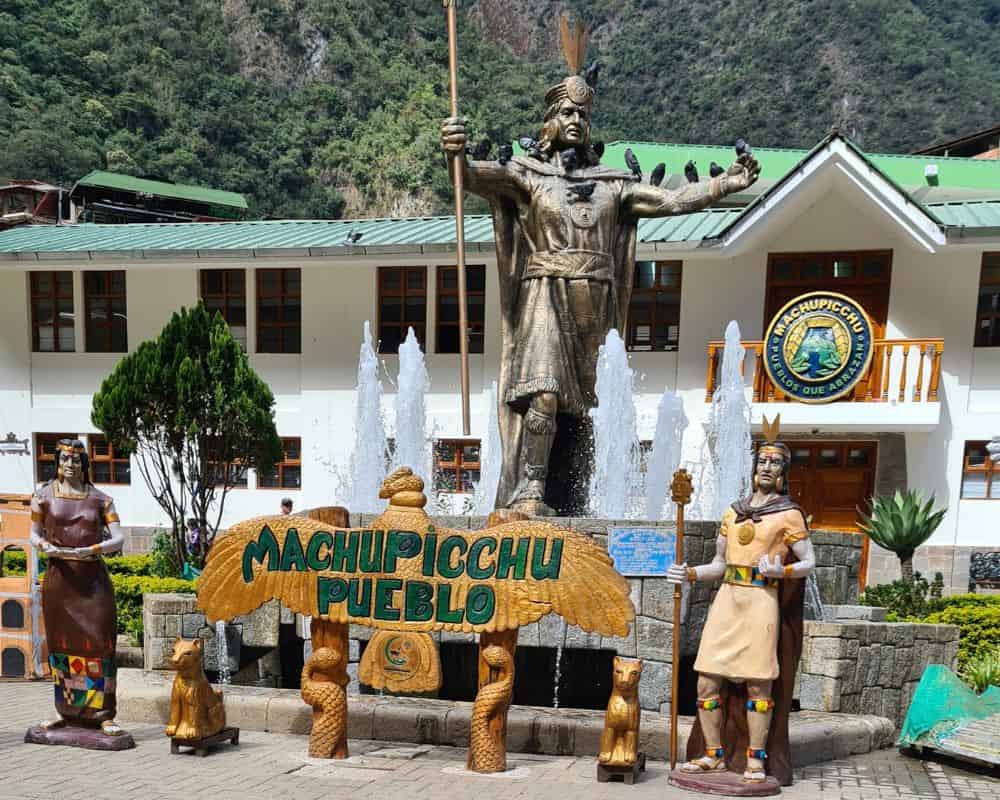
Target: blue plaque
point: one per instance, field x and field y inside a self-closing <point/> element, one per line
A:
<point x="642" y="552"/>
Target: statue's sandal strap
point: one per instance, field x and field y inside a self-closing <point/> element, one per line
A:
<point x="755" y="775"/>
<point x="712" y="761"/>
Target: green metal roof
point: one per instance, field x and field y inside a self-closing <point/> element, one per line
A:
<point x="377" y="235"/>
<point x="179" y="191"/>
<point x="905" y="170"/>
<point x="980" y="215"/>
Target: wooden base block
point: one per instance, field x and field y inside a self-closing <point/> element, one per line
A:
<point x="78" y="736"/>
<point x="201" y="746"/>
<point x="605" y="772"/>
<point x="727" y="784"/>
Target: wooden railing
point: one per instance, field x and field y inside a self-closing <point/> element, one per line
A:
<point x="902" y="370"/>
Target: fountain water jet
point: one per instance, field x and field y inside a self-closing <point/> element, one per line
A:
<point x="615" y="478"/>
<point x="729" y="428"/>
<point x="412" y="442"/>
<point x="490" y="459"/>
<point x="367" y="467"/>
<point x="665" y="455"/>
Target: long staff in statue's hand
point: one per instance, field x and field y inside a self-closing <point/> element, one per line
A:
<point x="680" y="493"/>
<point x="456" y="177"/>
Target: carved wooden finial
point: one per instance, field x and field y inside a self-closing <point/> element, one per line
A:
<point x="681" y="488"/>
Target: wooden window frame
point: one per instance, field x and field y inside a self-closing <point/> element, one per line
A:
<point x="284" y="295"/>
<point x="53" y="296"/>
<point x="993" y="315"/>
<point x="47" y="442"/>
<point x="282" y="465"/>
<point x="104" y="327"/>
<point x="227" y="297"/>
<point x="420" y="328"/>
<point x="654" y="293"/>
<point x="212" y="464"/>
<point x="987" y="467"/>
<point x="477" y="344"/>
<point x="111" y="458"/>
<point x="456" y="465"/>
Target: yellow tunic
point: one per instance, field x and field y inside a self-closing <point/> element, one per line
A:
<point x="740" y="640"/>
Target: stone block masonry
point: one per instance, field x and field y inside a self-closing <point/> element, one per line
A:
<point x="870" y="667"/>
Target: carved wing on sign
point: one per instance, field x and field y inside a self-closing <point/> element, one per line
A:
<point x="404" y="573"/>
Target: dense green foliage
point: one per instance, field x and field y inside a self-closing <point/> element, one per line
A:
<point x="187" y="403"/>
<point x="983" y="671"/>
<point x="901" y="523"/>
<point x="15" y="563"/>
<point x="905" y="599"/>
<point x="979" y="624"/>
<point x="318" y="109"/>
<point x="129" y="590"/>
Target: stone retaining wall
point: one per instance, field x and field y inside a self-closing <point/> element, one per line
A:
<point x="870" y="667"/>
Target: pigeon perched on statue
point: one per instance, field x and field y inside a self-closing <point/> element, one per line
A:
<point x="742" y="147"/>
<point x="598" y="148"/>
<point x="656" y="176"/>
<point x="529" y="145"/>
<point x="481" y="152"/>
<point x="633" y="163"/>
<point x="506" y="153"/>
<point x="583" y="191"/>
<point x="715" y="170"/>
<point x="691" y="172"/>
<point x="590" y="76"/>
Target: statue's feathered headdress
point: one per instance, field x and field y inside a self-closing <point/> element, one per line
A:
<point x="771" y="431"/>
<point x="578" y="88"/>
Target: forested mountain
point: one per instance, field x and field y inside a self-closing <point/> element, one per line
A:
<point x="322" y="108"/>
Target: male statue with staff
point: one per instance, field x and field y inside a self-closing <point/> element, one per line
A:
<point x="565" y="235"/>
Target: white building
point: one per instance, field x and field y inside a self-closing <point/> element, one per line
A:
<point x="915" y="240"/>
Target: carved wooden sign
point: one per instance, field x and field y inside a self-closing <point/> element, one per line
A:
<point x="403" y="573"/>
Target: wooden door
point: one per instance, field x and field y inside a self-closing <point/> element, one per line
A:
<point x="831" y="480"/>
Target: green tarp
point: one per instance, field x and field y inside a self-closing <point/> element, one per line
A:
<point x="941" y="704"/>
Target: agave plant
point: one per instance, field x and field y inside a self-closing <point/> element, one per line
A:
<point x="983" y="672"/>
<point x="902" y="523"/>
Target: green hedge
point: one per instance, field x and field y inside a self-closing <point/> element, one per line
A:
<point x="978" y="618"/>
<point x="129" y="590"/>
<point x="15" y="563"/>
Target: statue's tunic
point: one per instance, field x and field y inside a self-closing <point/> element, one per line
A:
<point x="740" y="639"/>
<point x="78" y="605"/>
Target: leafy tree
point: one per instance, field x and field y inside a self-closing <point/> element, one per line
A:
<point x="196" y="416"/>
<point x="902" y="523"/>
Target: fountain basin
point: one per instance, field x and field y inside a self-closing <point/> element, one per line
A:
<point x="816" y="736"/>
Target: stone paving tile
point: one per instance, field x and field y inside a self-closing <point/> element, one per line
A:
<point x="275" y="767"/>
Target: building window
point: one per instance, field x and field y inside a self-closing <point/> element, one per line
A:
<point x="456" y="465"/>
<point x="225" y="291"/>
<point x="45" y="454"/>
<point x="279" y="311"/>
<point x="107" y="466"/>
<point x="402" y="304"/>
<point x="977" y="473"/>
<point x="52" y="312"/>
<point x="988" y="310"/>
<point x="12" y="615"/>
<point x="217" y="471"/>
<point x="287" y="473"/>
<point x="654" y="311"/>
<point x="447" y="307"/>
<point x="105" y="310"/>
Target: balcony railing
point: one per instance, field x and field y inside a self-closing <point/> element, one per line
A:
<point x="902" y="370"/>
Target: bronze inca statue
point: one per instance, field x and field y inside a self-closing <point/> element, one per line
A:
<point x="565" y="235"/>
<point x="487" y="748"/>
<point x="328" y="699"/>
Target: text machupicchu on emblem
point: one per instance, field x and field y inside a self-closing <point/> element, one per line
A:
<point x="818" y="347"/>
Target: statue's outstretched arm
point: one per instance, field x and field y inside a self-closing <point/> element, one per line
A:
<point x="646" y="200"/>
<point x="485" y="178"/>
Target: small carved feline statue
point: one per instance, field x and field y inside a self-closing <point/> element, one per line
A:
<point x="620" y="740"/>
<point x="196" y="709"/>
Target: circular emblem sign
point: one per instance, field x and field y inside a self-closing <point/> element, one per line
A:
<point x="818" y="347"/>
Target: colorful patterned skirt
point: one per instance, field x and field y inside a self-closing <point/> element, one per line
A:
<point x="81" y="626"/>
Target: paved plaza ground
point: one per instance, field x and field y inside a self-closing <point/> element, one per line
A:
<point x="274" y="767"/>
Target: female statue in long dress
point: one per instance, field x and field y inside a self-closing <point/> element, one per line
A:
<point x="69" y="517"/>
<point x="565" y="233"/>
